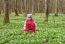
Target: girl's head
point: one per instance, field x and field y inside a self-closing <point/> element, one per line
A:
<point x="29" y="16"/>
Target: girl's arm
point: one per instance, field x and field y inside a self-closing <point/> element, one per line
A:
<point x="35" y="24"/>
<point x="37" y="29"/>
<point x="24" y="25"/>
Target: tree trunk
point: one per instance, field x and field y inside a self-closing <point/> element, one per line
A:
<point x="20" y="6"/>
<point x="16" y="10"/>
<point x="0" y="12"/>
<point x="39" y="6"/>
<point x="25" y="6"/>
<point x="46" y="10"/>
<point x="33" y="7"/>
<point x="6" y="17"/>
<point x="29" y="6"/>
<point x="62" y="6"/>
<point x="56" y="8"/>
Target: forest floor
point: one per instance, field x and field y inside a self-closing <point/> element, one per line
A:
<point x="51" y="32"/>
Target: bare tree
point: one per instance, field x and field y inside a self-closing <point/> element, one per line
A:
<point x="0" y="7"/>
<point x="29" y="4"/>
<point x="16" y="10"/>
<point x="46" y="10"/>
<point x="62" y="6"/>
<point x="25" y="6"/>
<point x="0" y="10"/>
<point x="33" y="2"/>
<point x="34" y="6"/>
<point x="6" y="17"/>
<point x="56" y="8"/>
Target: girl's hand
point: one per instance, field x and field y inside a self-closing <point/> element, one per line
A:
<point x="37" y="29"/>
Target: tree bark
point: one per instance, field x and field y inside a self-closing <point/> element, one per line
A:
<point x="16" y="10"/>
<point x="33" y="7"/>
<point x="46" y="10"/>
<point x="56" y="8"/>
<point x="0" y="12"/>
<point x="25" y="6"/>
<point x="6" y="17"/>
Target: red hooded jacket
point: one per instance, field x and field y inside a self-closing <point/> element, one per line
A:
<point x="30" y="25"/>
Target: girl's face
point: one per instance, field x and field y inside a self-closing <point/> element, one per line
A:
<point x="29" y="18"/>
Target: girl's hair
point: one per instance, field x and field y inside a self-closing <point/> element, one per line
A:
<point x="29" y="15"/>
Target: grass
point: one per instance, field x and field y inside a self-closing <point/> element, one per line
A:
<point x="52" y="32"/>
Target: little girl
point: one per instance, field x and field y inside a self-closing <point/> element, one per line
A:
<point x="29" y="24"/>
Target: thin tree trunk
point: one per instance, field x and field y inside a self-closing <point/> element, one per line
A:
<point x="0" y="12"/>
<point x="20" y="6"/>
<point x="33" y="7"/>
<point x="46" y="10"/>
<point x="29" y="6"/>
<point x="6" y="17"/>
<point x="0" y="7"/>
<point x="56" y="8"/>
<point x="16" y="10"/>
<point x="62" y="6"/>
<point x="39" y="6"/>
<point x="25" y="6"/>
